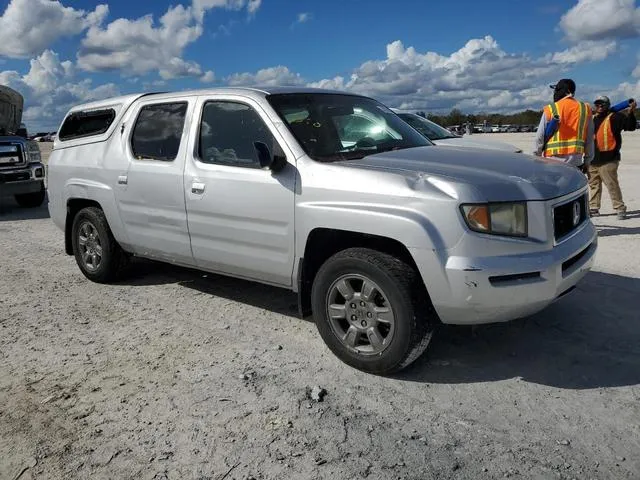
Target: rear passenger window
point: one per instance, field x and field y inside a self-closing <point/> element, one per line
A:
<point x="84" y="124"/>
<point x="158" y="130"/>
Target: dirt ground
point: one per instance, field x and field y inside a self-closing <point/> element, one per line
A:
<point x="175" y="374"/>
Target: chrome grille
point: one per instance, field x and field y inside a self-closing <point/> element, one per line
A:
<point x="12" y="155"/>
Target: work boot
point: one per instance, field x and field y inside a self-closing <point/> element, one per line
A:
<point x="622" y="215"/>
<point x="594" y="212"/>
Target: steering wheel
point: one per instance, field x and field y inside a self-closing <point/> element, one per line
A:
<point x="365" y="142"/>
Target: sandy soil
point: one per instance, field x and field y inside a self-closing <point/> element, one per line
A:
<point x="173" y="374"/>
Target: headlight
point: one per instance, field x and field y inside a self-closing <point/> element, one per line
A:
<point x="509" y="219"/>
<point x="33" y="152"/>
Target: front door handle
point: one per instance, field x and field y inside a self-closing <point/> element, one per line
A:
<point x="197" y="188"/>
<point x="122" y="180"/>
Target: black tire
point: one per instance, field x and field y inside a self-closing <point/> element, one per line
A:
<point x="31" y="200"/>
<point x="113" y="259"/>
<point x="414" y="317"/>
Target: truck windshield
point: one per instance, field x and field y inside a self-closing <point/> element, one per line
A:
<point x="334" y="127"/>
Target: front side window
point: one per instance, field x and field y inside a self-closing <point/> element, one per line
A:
<point x="334" y="127"/>
<point x="158" y="130"/>
<point x="228" y="133"/>
<point x="431" y="130"/>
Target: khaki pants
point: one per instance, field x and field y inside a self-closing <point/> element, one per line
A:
<point x="607" y="174"/>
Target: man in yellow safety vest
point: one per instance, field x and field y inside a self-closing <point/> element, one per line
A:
<point x="608" y="128"/>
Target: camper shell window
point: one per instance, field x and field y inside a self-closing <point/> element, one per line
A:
<point x="85" y="124"/>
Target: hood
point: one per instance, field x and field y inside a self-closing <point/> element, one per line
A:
<point x="467" y="142"/>
<point x="495" y="175"/>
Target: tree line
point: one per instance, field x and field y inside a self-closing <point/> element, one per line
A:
<point x="457" y="117"/>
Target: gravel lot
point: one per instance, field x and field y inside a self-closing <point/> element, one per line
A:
<point x="175" y="374"/>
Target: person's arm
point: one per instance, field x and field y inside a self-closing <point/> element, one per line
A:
<point x="630" y="118"/>
<point x="623" y="121"/>
<point x="589" y="145"/>
<point x="538" y="143"/>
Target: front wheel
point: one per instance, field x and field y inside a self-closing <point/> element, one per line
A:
<point x="372" y="310"/>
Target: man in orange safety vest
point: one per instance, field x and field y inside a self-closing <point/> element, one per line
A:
<point x="573" y="140"/>
<point x="608" y="128"/>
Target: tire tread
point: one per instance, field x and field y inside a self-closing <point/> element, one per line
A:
<point x="410" y="284"/>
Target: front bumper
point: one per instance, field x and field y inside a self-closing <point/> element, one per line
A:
<point x="503" y="288"/>
<point x="28" y="179"/>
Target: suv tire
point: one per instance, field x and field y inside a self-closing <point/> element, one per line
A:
<point x="31" y="200"/>
<point x="98" y="254"/>
<point x="372" y="310"/>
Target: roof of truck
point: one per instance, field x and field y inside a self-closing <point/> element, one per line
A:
<point x="245" y="91"/>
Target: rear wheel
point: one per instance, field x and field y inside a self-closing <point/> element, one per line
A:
<point x="97" y="253"/>
<point x="31" y="200"/>
<point x="372" y="310"/>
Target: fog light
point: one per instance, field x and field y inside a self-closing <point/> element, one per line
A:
<point x="39" y="172"/>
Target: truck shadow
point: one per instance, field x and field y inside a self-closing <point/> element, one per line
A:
<point x="277" y="300"/>
<point x="611" y="230"/>
<point x="590" y="339"/>
<point x="10" y="211"/>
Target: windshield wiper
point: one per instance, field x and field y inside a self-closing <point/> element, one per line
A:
<point x="351" y="155"/>
<point x="442" y="137"/>
<point x="390" y="147"/>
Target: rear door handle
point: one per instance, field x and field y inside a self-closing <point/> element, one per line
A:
<point x="197" y="188"/>
<point x="122" y="180"/>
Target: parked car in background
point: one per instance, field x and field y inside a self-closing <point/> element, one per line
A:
<point x="513" y="129"/>
<point x="441" y="136"/>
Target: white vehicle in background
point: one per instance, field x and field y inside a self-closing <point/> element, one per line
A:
<point x="441" y="136"/>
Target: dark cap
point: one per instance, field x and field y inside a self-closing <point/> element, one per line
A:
<point x="565" y="84"/>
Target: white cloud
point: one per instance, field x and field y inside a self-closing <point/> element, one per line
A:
<point x="601" y="19"/>
<point x="50" y="89"/>
<point x="587" y="51"/>
<point x="273" y="76"/>
<point x="46" y="72"/>
<point x="479" y="76"/>
<point x="208" y="77"/>
<point x="625" y="91"/>
<point x="28" y="27"/>
<point x="335" y="83"/>
<point x="201" y="7"/>
<point x="139" y="46"/>
<point x="303" y="17"/>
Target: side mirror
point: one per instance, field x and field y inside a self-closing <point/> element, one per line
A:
<point x="266" y="159"/>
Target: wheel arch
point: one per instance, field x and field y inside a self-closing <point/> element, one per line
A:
<point x="323" y="243"/>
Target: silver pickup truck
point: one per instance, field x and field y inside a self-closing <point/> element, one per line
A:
<point x="382" y="234"/>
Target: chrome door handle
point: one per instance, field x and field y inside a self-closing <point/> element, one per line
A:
<point x="197" y="188"/>
<point x="122" y="180"/>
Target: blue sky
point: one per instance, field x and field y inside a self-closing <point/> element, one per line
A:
<point x="413" y="54"/>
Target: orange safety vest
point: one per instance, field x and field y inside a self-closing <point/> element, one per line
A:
<point x="605" y="140"/>
<point x="571" y="137"/>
